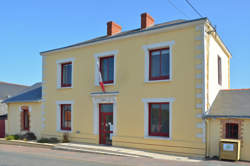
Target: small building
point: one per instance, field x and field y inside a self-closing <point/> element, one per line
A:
<point x="229" y="117"/>
<point x="7" y="90"/>
<point x="24" y="111"/>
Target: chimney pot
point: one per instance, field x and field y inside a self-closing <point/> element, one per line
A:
<point x="113" y="28"/>
<point x="146" y="20"/>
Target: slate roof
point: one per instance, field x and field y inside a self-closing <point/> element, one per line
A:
<point x="232" y="103"/>
<point x="32" y="94"/>
<point x="130" y="32"/>
<point x="9" y="89"/>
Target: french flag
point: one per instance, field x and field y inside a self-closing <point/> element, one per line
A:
<point x="100" y="77"/>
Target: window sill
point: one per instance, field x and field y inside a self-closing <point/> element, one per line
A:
<point x="157" y="137"/>
<point x="64" y="131"/>
<point x="152" y="81"/>
<point x="70" y="87"/>
<point x="108" y="84"/>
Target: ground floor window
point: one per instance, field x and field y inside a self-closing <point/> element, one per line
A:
<point x="25" y="119"/>
<point x="65" y="116"/>
<point x="232" y="130"/>
<point x="159" y="119"/>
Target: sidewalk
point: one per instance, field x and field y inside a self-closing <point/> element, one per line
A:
<point x="110" y="150"/>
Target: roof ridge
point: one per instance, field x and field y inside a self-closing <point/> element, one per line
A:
<point x="2" y="82"/>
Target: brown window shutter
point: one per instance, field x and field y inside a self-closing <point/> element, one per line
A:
<point x="28" y="120"/>
<point x="22" y="120"/>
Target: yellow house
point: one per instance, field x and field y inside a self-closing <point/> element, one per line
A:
<point x="229" y="118"/>
<point x="24" y="111"/>
<point x="158" y="80"/>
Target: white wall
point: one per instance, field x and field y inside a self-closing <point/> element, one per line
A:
<point x="215" y="51"/>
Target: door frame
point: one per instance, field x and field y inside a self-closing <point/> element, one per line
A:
<point x="100" y="118"/>
<point x="102" y="98"/>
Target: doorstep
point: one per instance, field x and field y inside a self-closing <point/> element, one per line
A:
<point x="118" y="151"/>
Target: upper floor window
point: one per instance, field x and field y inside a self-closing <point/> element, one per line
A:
<point x="158" y="61"/>
<point x="107" y="69"/>
<point x="159" y="119"/>
<point x="105" y="63"/>
<point x="232" y="130"/>
<point x="66" y="74"/>
<point x="159" y="64"/>
<point x="219" y="71"/>
<point x="65" y="116"/>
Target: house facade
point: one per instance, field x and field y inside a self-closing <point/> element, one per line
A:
<point x="25" y="112"/>
<point x="158" y="80"/>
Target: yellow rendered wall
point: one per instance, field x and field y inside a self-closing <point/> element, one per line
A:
<point x="214" y="134"/>
<point x="14" y="118"/>
<point x="132" y="89"/>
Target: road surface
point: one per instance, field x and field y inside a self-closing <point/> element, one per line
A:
<point x="11" y="155"/>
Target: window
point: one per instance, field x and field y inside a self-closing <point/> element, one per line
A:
<point x="66" y="74"/>
<point x="232" y="130"/>
<point x="65" y="116"/>
<point x="159" y="64"/>
<point x="159" y="119"/>
<point x="219" y="71"/>
<point x="107" y="69"/>
<point x="25" y="119"/>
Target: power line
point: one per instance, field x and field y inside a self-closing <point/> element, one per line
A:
<point x="196" y="11"/>
<point x="171" y="3"/>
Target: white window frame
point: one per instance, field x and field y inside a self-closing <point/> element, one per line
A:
<point x="147" y="49"/>
<point x="99" y="99"/>
<point x="97" y="59"/>
<point x="146" y="102"/>
<point x="58" y="115"/>
<point x="59" y="70"/>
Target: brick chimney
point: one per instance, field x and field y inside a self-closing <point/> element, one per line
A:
<point x="146" y="20"/>
<point x="113" y="28"/>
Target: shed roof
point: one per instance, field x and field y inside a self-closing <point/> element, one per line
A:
<point x="232" y="103"/>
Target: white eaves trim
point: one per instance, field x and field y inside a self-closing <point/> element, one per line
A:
<point x="146" y="101"/>
<point x="59" y="69"/>
<point x="97" y="59"/>
<point x="58" y="115"/>
<point x="149" y="47"/>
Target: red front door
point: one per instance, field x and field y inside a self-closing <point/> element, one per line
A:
<point x="106" y="123"/>
<point x="2" y="128"/>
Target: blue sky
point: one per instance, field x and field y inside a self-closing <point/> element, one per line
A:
<point x="30" y="26"/>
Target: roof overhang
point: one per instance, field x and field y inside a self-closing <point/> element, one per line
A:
<point x="167" y="27"/>
<point x="23" y="101"/>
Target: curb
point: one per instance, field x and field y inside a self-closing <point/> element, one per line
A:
<point x="92" y="151"/>
<point x="25" y="143"/>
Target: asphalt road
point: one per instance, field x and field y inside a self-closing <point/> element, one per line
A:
<point x="11" y="155"/>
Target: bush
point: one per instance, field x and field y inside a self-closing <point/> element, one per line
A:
<point x="12" y="137"/>
<point x="16" y="137"/>
<point x="28" y="136"/>
<point x="51" y="140"/>
<point x="43" y="140"/>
